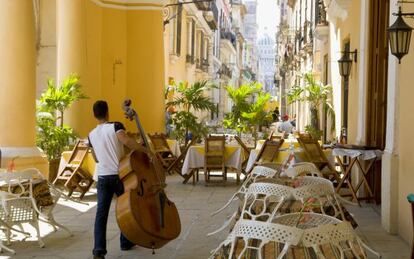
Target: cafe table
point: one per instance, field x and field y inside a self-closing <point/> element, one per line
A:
<point x="356" y="155"/>
<point x="194" y="159"/>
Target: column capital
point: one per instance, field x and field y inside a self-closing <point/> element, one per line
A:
<point x="131" y="4"/>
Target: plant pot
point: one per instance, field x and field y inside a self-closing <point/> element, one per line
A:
<point x="53" y="169"/>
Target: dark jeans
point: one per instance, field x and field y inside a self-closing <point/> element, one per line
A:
<point x="107" y="186"/>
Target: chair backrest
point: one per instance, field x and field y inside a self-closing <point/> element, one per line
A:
<point x="159" y="142"/>
<point x="262" y="201"/>
<point x="246" y="150"/>
<point x="79" y="152"/>
<point x="269" y="151"/>
<point x="255" y="235"/>
<point x="313" y="152"/>
<point x="214" y="145"/>
<point x="276" y="135"/>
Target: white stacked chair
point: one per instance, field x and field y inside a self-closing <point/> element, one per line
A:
<point x="46" y="212"/>
<point x="261" y="203"/>
<point x="250" y="231"/>
<point x="322" y="190"/>
<point x="257" y="173"/>
<point x="320" y="229"/>
<point x="19" y="208"/>
<point x="302" y="169"/>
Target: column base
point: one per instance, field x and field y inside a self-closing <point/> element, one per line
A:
<point x="389" y="192"/>
<point x="27" y="157"/>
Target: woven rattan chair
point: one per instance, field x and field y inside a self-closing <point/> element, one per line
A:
<point x="214" y="158"/>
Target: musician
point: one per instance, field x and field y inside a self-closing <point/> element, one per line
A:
<point x="107" y="141"/>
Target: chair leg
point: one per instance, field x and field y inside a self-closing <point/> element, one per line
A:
<point x="35" y="224"/>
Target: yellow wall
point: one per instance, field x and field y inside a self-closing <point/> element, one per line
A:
<point x="406" y="141"/>
<point x="350" y="30"/>
<point x="145" y="70"/>
<point x="135" y="40"/>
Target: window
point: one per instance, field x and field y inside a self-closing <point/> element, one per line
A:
<point x="175" y="31"/>
<point x="191" y="38"/>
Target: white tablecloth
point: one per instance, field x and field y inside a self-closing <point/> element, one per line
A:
<point x="195" y="159"/>
<point x="362" y="154"/>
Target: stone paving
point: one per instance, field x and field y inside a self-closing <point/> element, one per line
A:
<point x="195" y="203"/>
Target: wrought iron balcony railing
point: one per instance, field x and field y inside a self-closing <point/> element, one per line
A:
<point x="230" y="36"/>
<point x="320" y="17"/>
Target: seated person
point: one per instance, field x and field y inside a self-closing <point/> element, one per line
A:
<point x="285" y="126"/>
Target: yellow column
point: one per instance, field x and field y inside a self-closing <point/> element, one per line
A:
<point x="71" y="58"/>
<point x="145" y="72"/>
<point x="18" y="85"/>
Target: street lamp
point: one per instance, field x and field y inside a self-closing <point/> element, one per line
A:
<point x="400" y="36"/>
<point x="208" y="15"/>
<point x="345" y="63"/>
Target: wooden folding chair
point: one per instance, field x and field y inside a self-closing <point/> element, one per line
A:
<point x="214" y="157"/>
<point x="246" y="151"/>
<point x="276" y="136"/>
<point x="73" y="177"/>
<point x="177" y="165"/>
<point x="268" y="152"/>
<point x="315" y="155"/>
<point x="162" y="151"/>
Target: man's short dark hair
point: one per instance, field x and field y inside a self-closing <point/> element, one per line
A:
<point x="100" y="109"/>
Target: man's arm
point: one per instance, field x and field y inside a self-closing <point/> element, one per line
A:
<point x="128" y="141"/>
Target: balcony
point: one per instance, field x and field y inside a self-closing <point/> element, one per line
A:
<point x="225" y="72"/>
<point x="189" y="59"/>
<point x="214" y="23"/>
<point x="202" y="6"/>
<point x="321" y="28"/>
<point x="229" y="36"/>
<point x="207" y="7"/>
<point x="204" y="65"/>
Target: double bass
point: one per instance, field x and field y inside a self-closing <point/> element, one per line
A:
<point x="144" y="213"/>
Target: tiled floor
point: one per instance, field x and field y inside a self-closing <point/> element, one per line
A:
<point x="195" y="203"/>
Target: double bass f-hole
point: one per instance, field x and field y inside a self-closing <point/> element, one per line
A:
<point x="140" y="192"/>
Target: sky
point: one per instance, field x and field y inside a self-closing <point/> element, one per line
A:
<point x="266" y="16"/>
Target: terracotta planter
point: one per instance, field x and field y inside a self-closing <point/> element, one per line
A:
<point x="53" y="169"/>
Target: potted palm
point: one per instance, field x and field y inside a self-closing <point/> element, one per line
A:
<point x="317" y="95"/>
<point x="188" y="100"/>
<point x="242" y="101"/>
<point x="249" y="111"/>
<point x="53" y="136"/>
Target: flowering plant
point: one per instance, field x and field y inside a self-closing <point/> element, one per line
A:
<point x="308" y="205"/>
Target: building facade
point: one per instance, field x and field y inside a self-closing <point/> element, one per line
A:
<point x="267" y="67"/>
<point x="371" y="104"/>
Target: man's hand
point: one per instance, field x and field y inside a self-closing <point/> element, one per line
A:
<point x="130" y="142"/>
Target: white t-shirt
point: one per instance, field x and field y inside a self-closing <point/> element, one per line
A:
<point x="108" y="149"/>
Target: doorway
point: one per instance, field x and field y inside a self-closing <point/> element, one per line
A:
<point x="377" y="85"/>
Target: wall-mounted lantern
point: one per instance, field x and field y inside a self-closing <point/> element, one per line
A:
<point x="345" y="63"/>
<point x="400" y="36"/>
